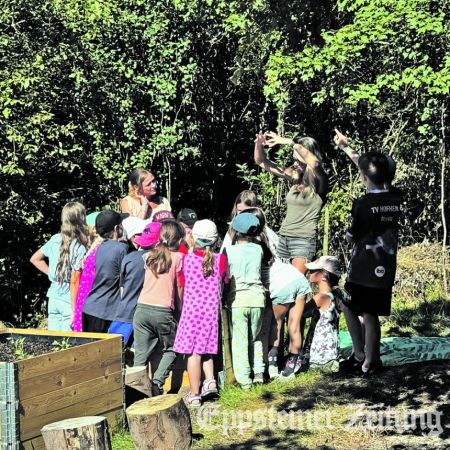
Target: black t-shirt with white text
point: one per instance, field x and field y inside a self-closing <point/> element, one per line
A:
<point x="374" y="229"/>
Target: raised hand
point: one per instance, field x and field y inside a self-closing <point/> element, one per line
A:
<point x="260" y="139"/>
<point x="339" y="139"/>
<point x="273" y="139"/>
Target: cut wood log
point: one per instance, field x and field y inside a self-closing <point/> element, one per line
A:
<point x="160" y="423"/>
<point x="80" y="433"/>
<point x="137" y="378"/>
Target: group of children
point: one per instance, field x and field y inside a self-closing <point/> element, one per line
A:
<point x="159" y="283"/>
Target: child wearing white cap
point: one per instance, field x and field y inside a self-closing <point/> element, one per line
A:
<point x="198" y="331"/>
<point x="323" y="340"/>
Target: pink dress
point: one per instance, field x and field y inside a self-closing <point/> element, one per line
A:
<point x="199" y="323"/>
<point x="86" y="281"/>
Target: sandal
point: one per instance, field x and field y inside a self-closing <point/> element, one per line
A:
<point x="194" y="400"/>
<point x="209" y="388"/>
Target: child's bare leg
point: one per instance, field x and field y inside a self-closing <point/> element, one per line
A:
<point x="295" y="315"/>
<point x="208" y="367"/>
<point x="373" y="337"/>
<point x="279" y="311"/>
<point x="194" y="368"/>
<point x="355" y="329"/>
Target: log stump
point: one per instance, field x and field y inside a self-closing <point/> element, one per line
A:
<point x="81" y="433"/>
<point x="160" y="423"/>
<point x="137" y="384"/>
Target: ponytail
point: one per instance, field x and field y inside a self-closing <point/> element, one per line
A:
<point x="159" y="260"/>
<point x="208" y="262"/>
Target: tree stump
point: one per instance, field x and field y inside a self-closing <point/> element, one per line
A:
<point x="137" y="378"/>
<point x="81" y="433"/>
<point x="160" y="423"/>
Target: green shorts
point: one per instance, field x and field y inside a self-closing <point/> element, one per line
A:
<point x="289" y="293"/>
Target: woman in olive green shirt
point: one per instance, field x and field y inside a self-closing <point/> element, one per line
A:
<point x="305" y="199"/>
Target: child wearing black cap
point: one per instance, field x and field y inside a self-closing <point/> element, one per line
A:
<point x="187" y="217"/>
<point x="100" y="306"/>
<point x="247" y="299"/>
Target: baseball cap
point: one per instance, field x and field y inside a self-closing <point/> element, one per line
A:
<point x="204" y="232"/>
<point x="161" y="216"/>
<point x="133" y="226"/>
<point x="187" y="216"/>
<point x="245" y="223"/>
<point x="149" y="236"/>
<point x="90" y="218"/>
<point x="329" y="263"/>
<point x="107" y="220"/>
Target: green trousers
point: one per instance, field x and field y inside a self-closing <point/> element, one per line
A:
<point x="246" y="344"/>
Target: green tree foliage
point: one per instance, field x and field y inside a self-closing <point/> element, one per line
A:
<point x="89" y="90"/>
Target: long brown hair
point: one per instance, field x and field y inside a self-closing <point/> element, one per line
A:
<point x="159" y="260"/>
<point x="135" y="180"/>
<point x="248" y="198"/>
<point x="73" y="227"/>
<point x="306" y="182"/>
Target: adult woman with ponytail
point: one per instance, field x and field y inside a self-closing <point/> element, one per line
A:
<point x="154" y="320"/>
<point x="64" y="251"/>
<point x="198" y="331"/>
<point x="306" y="196"/>
<point x="142" y="200"/>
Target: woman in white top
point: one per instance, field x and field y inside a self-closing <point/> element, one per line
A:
<point x="142" y="199"/>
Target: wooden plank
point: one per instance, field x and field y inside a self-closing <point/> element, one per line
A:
<point x="62" y="398"/>
<point x="34" y="444"/>
<point x="58" y="370"/>
<point x="31" y="427"/>
<point x="44" y="364"/>
<point x="36" y="332"/>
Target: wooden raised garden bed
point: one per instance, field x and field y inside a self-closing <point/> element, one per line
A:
<point x="79" y="375"/>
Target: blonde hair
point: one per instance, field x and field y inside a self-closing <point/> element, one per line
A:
<point x="208" y="261"/>
<point x="135" y="180"/>
<point x="159" y="260"/>
<point x="305" y="182"/>
<point x="73" y="227"/>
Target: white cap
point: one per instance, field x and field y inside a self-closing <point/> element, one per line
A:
<point x="205" y="230"/>
<point x="133" y="226"/>
<point x="329" y="263"/>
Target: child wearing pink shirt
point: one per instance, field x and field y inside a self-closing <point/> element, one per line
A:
<point x="153" y="320"/>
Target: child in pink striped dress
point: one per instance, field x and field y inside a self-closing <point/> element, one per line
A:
<point x="197" y="333"/>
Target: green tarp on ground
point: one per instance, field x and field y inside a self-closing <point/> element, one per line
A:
<point x="396" y="351"/>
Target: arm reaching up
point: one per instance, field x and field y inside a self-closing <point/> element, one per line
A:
<point x="343" y="143"/>
<point x="265" y="163"/>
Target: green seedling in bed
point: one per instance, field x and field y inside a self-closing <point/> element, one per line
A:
<point x="63" y="344"/>
<point x="19" y="350"/>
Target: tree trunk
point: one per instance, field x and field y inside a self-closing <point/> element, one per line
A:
<point x="137" y="378"/>
<point x="81" y="433"/>
<point x="160" y="423"/>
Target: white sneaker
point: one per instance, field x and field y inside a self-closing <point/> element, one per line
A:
<point x="273" y="372"/>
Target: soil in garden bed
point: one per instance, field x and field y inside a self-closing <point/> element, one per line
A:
<point x="17" y="348"/>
